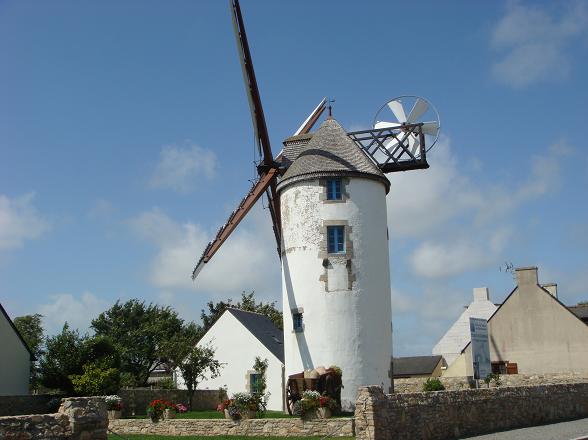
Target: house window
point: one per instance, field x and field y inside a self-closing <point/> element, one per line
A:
<point x="254" y="383"/>
<point x="336" y="239"/>
<point x="297" y="320"/>
<point x="333" y="189"/>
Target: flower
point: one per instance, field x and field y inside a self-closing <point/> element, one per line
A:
<point x="181" y="408"/>
<point x="114" y="403"/>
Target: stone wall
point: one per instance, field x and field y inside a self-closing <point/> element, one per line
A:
<point x="80" y="418"/>
<point x="29" y="404"/>
<point x="452" y="414"/>
<point x="135" y="400"/>
<point x="415" y="384"/>
<point x="287" y="427"/>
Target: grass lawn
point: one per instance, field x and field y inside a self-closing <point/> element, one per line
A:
<point x="220" y="437"/>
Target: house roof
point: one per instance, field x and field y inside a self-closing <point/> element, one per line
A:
<point x="263" y="329"/>
<point x="415" y="365"/>
<point x="329" y="152"/>
<point x="581" y="311"/>
<point x="17" y="332"/>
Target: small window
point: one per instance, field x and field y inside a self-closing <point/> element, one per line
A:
<point x="334" y="189"/>
<point x="254" y="383"/>
<point x="336" y="239"/>
<point x="297" y="320"/>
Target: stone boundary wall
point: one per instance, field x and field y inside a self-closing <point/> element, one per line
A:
<point x="135" y="400"/>
<point x="28" y="404"/>
<point x="79" y="418"/>
<point x="452" y="414"/>
<point x="415" y="384"/>
<point x="287" y="427"/>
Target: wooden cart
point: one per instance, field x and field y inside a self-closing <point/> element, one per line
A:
<point x="329" y="384"/>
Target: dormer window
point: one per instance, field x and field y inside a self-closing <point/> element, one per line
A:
<point x="334" y="189"/>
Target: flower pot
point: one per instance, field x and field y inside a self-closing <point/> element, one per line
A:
<point x="227" y="416"/>
<point x="169" y="414"/>
<point x="248" y="414"/>
<point x="324" y="413"/>
<point x="154" y="417"/>
<point x="114" y="414"/>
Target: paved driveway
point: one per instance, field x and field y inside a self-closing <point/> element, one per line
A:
<point x="577" y="430"/>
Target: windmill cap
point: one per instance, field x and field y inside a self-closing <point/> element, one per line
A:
<point x="331" y="153"/>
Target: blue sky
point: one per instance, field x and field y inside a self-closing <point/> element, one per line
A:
<point x="125" y="140"/>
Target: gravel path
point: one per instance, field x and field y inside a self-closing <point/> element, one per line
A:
<point x="577" y="430"/>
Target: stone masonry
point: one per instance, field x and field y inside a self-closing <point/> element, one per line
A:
<point x="80" y="418"/>
<point x="287" y="427"/>
<point x="135" y="400"/>
<point x="415" y="384"/>
<point x="452" y="414"/>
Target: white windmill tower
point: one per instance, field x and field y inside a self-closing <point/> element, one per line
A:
<point x="327" y="198"/>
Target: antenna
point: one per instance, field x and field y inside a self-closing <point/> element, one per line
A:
<point x="330" y="107"/>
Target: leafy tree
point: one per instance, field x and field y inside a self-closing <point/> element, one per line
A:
<point x="247" y="303"/>
<point x="199" y="365"/>
<point x="145" y="336"/>
<point x="63" y="357"/>
<point x="96" y="380"/>
<point x="31" y="329"/>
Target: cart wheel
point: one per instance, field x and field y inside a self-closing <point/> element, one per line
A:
<point x="290" y="400"/>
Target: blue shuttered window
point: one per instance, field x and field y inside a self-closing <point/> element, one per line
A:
<point x="336" y="239"/>
<point x="333" y="189"/>
<point x="297" y="321"/>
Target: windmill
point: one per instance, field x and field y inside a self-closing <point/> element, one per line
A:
<point x="326" y="195"/>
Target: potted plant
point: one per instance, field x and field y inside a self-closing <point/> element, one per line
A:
<point x="170" y="411"/>
<point x="156" y="408"/>
<point x="327" y="406"/>
<point x="240" y="406"/>
<point x="114" y="406"/>
<point x="307" y="407"/>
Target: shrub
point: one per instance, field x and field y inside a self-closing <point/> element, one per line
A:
<point x="493" y="377"/>
<point x="113" y="403"/>
<point x="95" y="381"/>
<point x="433" y="384"/>
<point x="166" y="383"/>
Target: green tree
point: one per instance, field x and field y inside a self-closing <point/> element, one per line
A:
<point x="63" y="357"/>
<point x="247" y="303"/>
<point x="96" y="380"/>
<point x="260" y="367"/>
<point x="31" y="329"/>
<point x="199" y="365"/>
<point x="145" y="336"/>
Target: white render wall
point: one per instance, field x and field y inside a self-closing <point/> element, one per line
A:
<point x="348" y="328"/>
<point x="16" y="362"/>
<point x="237" y="348"/>
<point x="458" y="335"/>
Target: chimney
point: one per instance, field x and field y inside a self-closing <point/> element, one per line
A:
<point x="481" y="294"/>
<point x="551" y="288"/>
<point x="526" y="276"/>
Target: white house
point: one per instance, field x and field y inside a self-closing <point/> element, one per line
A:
<point x="16" y="359"/>
<point x="457" y="337"/>
<point x="238" y="338"/>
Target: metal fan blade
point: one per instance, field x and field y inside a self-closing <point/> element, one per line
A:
<point x="266" y="181"/>
<point x="312" y="118"/>
<point x="259" y="126"/>
<point x="398" y="110"/>
<point x="430" y="128"/>
<point x="384" y="124"/>
<point x="420" y="107"/>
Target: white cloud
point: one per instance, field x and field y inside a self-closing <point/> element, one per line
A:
<point x="19" y="221"/>
<point x="246" y="261"/>
<point x="534" y="44"/>
<point x="463" y="225"/>
<point x="181" y="167"/>
<point x="77" y="311"/>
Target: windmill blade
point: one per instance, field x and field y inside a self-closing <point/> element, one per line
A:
<point x="430" y="128"/>
<point x="398" y="110"/>
<point x="414" y="144"/>
<point x="384" y="124"/>
<point x="235" y="218"/>
<point x="420" y="107"/>
<point x="312" y="118"/>
<point x="259" y="126"/>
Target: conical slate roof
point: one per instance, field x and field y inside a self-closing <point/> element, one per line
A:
<point x="330" y="152"/>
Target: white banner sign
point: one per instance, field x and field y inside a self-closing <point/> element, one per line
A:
<point x="480" y="348"/>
